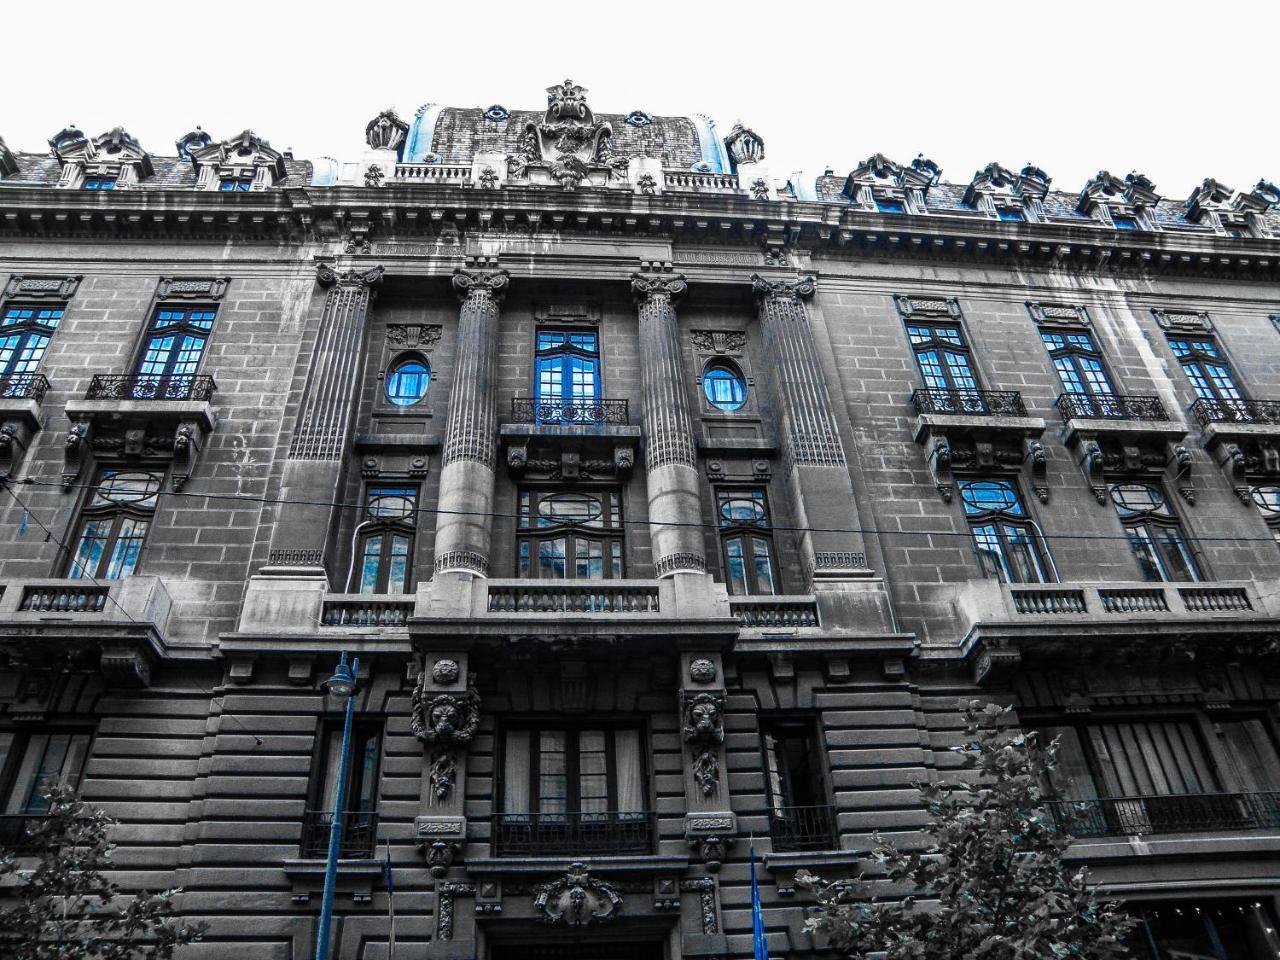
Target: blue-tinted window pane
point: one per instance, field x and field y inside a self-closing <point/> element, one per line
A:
<point x="1007" y="214"/>
<point x="986" y="496"/>
<point x="1124" y="223"/>
<point x="408" y="382"/>
<point x="724" y="388"/>
<point x="890" y="206"/>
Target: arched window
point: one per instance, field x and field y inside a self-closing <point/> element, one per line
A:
<point x="408" y="381"/>
<point x="385" y="536"/>
<point x="1155" y="535"/>
<point x="746" y="540"/>
<point x="724" y="386"/>
<point x="570" y="535"/>
<point x="1003" y="534"/>
<point x="114" y="524"/>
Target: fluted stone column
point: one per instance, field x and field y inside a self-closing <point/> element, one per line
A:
<point x="319" y="450"/>
<point x="670" y="459"/>
<point x="467" y="474"/>
<point x="814" y="464"/>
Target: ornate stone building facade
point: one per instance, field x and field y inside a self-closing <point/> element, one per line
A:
<point x="671" y="507"/>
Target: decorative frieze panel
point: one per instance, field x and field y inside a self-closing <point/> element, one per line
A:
<point x="910" y="307"/>
<point x="413" y="336"/>
<point x="1059" y="314"/>
<point x="1185" y="321"/>
<point x="723" y="342"/>
<point x="577" y="899"/>
<point x="174" y="288"/>
<point x="42" y="287"/>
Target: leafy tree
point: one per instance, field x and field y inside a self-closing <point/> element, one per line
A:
<point x="996" y="871"/>
<point x="66" y="909"/>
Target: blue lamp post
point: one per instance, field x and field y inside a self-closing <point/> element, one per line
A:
<point x="343" y="686"/>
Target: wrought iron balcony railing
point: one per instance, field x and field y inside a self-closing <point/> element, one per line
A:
<point x="359" y="834"/>
<point x="569" y="410"/>
<point x="17" y="831"/>
<point x="572" y="834"/>
<point x="1236" y="411"/>
<point x="142" y="387"/>
<point x="1176" y="813"/>
<point x="803" y="828"/>
<point x="23" y="386"/>
<point x="1110" y="406"/>
<point x="971" y="403"/>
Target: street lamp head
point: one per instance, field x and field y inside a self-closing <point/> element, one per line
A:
<point x="343" y="682"/>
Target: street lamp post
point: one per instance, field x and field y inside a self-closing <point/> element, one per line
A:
<point x="343" y="686"/>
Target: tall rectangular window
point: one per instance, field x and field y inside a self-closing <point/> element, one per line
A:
<point x="943" y="357"/>
<point x="385" y="539"/>
<point x="573" y="789"/>
<point x="172" y="351"/>
<point x="566" y="371"/>
<point x="1004" y="535"/>
<point x="32" y="762"/>
<point x="1155" y="533"/>
<point x="569" y="534"/>
<point x="114" y="524"/>
<point x="25" y="331"/>
<point x="358" y="806"/>
<point x="800" y="811"/>
<point x="1078" y="361"/>
<point x="746" y="540"/>
<point x="1209" y="372"/>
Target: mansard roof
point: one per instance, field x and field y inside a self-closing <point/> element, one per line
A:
<point x="171" y="173"/>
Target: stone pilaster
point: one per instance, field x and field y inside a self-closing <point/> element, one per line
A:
<point x="814" y="464"/>
<point x="467" y="473"/>
<point x="319" y="451"/>
<point x="670" y="459"/>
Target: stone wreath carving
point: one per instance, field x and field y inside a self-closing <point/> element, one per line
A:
<point x="576" y="899"/>
<point x="703" y="729"/>
<point x="447" y="722"/>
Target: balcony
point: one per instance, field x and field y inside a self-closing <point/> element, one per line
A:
<point x="572" y="834"/>
<point x="969" y="403"/>
<point x="140" y="387"/>
<point x="1006" y="624"/>
<point x="359" y="834"/>
<point x="20" y="398"/>
<point x="1173" y="813"/>
<point x="451" y="173"/>
<point x="141" y="416"/>
<point x="796" y="829"/>
<point x="1263" y="413"/>
<point x="776" y="611"/>
<point x="977" y="430"/>
<point x="576" y="412"/>
<point x="683" y="180"/>
<point x="122" y="624"/>
<point x="600" y="596"/>
<point x="1111" y="407"/>
<point x="366" y="610"/>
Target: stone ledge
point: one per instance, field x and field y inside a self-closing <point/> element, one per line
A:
<point x="497" y="866"/>
<point x="174" y="410"/>
<point x="803" y="859"/>
<point x="1078" y="427"/>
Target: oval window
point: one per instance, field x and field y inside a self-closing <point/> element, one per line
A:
<point x="119" y="486"/>
<point x="724" y="386"/>
<point x="570" y="508"/>
<point x="743" y="510"/>
<point x="1131" y="498"/>
<point x="981" y="496"/>
<point x="1268" y="499"/>
<point x="408" y="381"/>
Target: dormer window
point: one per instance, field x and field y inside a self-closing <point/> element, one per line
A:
<point x="1120" y="204"/>
<point x="999" y="194"/>
<point x="881" y="185"/>
<point x="243" y="163"/>
<point x="112" y="161"/>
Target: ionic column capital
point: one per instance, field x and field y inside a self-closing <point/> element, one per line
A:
<point x="328" y="277"/>
<point x="649" y="286"/>
<point x="802" y="288"/>
<point x="481" y="283"/>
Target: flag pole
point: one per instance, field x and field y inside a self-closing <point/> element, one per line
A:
<point x="391" y="906"/>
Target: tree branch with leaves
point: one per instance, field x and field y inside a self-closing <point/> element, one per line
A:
<point x="994" y="884"/>
<point x="64" y="907"/>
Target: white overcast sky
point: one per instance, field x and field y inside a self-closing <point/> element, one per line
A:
<point x="1180" y="91"/>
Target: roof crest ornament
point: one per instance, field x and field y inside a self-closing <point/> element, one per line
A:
<point x="386" y="131"/>
<point x="569" y="143"/>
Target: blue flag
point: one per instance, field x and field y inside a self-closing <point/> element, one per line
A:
<point x="759" y="943"/>
<point x="386" y="869"/>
